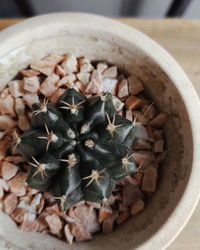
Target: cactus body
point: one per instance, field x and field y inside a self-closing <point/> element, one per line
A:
<point x="78" y="148"/>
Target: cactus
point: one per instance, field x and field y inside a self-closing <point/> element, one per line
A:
<point x="77" y="148"/>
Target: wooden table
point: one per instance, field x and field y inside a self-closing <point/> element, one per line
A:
<point x="182" y="39"/>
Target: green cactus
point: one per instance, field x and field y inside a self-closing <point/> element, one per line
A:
<point x="77" y="148"/>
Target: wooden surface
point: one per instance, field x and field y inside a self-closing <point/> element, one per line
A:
<point x="182" y="39"/>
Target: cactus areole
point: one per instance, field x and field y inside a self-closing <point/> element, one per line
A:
<point x="77" y="148"/>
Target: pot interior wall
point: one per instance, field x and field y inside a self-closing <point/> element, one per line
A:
<point x="173" y="174"/>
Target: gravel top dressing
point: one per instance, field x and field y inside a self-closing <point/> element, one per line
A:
<point x="80" y="147"/>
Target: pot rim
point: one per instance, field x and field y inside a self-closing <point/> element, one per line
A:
<point x="28" y="29"/>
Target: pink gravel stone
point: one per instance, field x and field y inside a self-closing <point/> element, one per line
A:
<point x="5" y="92"/>
<point x="29" y="72"/>
<point x="93" y="87"/>
<point x="149" y="111"/>
<point x="7" y="106"/>
<point x="141" y="144"/>
<point x="135" y="85"/>
<point x="6" y="122"/>
<point x="19" y="106"/>
<point x="70" y="64"/>
<point x="55" y="96"/>
<point x="109" y="85"/>
<point x="1" y="191"/>
<point x="149" y="180"/>
<point x="161" y="157"/>
<point x="79" y="232"/>
<point x="54" y="223"/>
<point x="16" y="88"/>
<point x="29" y="226"/>
<point x="110" y="72"/>
<point x="18" y="184"/>
<point x="19" y="214"/>
<point x="123" y="89"/>
<point x="129" y="115"/>
<point x="10" y="203"/>
<point x="15" y="159"/>
<point x="50" y="85"/>
<point x="117" y="103"/>
<point x="137" y="207"/>
<point x="43" y="225"/>
<point x="23" y="122"/>
<point x="143" y="157"/>
<point x="85" y="65"/>
<point x="159" y="146"/>
<point x="8" y="170"/>
<point x="69" y="237"/>
<point x="158" y="121"/>
<point x="67" y="80"/>
<point x="31" y="84"/>
<point x="122" y="217"/>
<point x="102" y="67"/>
<point x="45" y="67"/>
<point x="81" y="87"/>
<point x="54" y="58"/>
<point x="108" y="224"/>
<point x="158" y="133"/>
<point x="31" y="98"/>
<point x="88" y="218"/>
<point x="133" y="102"/>
<point x="60" y="71"/>
<point x="83" y="77"/>
<point x="130" y="194"/>
<point x="104" y="213"/>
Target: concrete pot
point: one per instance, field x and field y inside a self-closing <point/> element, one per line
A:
<point x="100" y="38"/>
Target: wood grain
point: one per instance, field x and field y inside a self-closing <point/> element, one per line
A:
<point x="182" y="39"/>
<point x="7" y="22"/>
